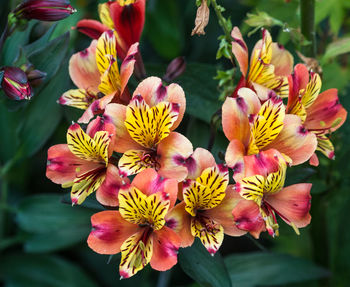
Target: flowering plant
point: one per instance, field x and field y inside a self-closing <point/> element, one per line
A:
<point x="147" y="188"/>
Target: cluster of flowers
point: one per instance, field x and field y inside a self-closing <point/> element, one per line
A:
<point x="178" y="193"/>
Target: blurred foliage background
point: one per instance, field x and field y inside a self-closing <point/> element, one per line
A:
<point x="43" y="239"/>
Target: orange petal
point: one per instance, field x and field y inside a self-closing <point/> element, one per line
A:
<point x="202" y="160"/>
<point x="107" y="194"/>
<point x="63" y="166"/>
<point x="240" y="50"/>
<point x="83" y="69"/>
<point x="109" y="231"/>
<point x="127" y="66"/>
<point x="123" y="142"/>
<point x="293" y="203"/>
<point x="235" y="115"/>
<point x="248" y="218"/>
<point x="314" y="160"/>
<point x="174" y="152"/>
<point x="326" y="113"/>
<point x="295" y="141"/>
<point x="179" y="220"/>
<point x="153" y="92"/>
<point x="150" y="182"/>
<point x="166" y="244"/>
<point x="282" y="60"/>
<point x="223" y="212"/>
<point x="234" y="158"/>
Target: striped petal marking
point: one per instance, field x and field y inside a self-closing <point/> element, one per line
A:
<point x="266" y="125"/>
<point x="254" y="187"/>
<point x="325" y="146"/>
<point x="148" y="126"/>
<point x="207" y="191"/>
<point x="91" y="149"/>
<point x="78" y="98"/>
<point x="106" y="59"/>
<point x="208" y="231"/>
<point x="135" y="161"/>
<point x="262" y="72"/>
<point x="136" y="253"/>
<point x="138" y="208"/>
<point x="85" y="184"/>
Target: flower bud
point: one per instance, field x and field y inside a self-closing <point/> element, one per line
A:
<point x="175" y="69"/>
<point x="15" y="84"/>
<point x="44" y="10"/>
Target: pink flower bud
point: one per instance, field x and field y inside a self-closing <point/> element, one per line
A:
<point x="15" y="84"/>
<point x="175" y="69"/>
<point x="44" y="10"/>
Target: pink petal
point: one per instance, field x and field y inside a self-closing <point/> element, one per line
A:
<point x="240" y="50"/>
<point x="293" y="203"/>
<point x="282" y="60"/>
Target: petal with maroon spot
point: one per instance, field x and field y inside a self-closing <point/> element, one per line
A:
<point x="240" y="50"/>
<point x="235" y="115"/>
<point x="63" y="166"/>
<point x="109" y="231"/>
<point x="234" y="158"/>
<point x="282" y="60"/>
<point x="179" y="220"/>
<point x="117" y="114"/>
<point x="223" y="212"/>
<point x="326" y="113"/>
<point x="153" y="92"/>
<point x="83" y="69"/>
<point x="294" y="140"/>
<point x="293" y="203"/>
<point x="202" y="160"/>
<point x="173" y="152"/>
<point x="107" y="194"/>
<point x="166" y="244"/>
<point x="150" y="182"/>
<point x="248" y="218"/>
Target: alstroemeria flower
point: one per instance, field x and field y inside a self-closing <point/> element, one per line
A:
<point x="126" y="17"/>
<point x="96" y="74"/>
<point x="270" y="64"/>
<point x="263" y="197"/>
<point x="206" y="210"/>
<point x="145" y="130"/>
<point x="138" y="230"/>
<point x="84" y="163"/>
<point x="252" y="127"/>
<point x="321" y="114"/>
<point x="14" y="83"/>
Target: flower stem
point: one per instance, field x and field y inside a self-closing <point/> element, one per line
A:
<point x="3" y="201"/>
<point x="164" y="278"/>
<point x="307" y="12"/>
<point x="4" y="36"/>
<point x="224" y="25"/>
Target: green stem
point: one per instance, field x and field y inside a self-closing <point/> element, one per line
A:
<point x="224" y="26"/>
<point x="4" y="35"/>
<point x="307" y="12"/>
<point x="164" y="278"/>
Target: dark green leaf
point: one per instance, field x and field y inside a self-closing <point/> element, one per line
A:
<point x="270" y="269"/>
<point x="53" y="224"/>
<point x="42" y="271"/>
<point x="202" y="267"/>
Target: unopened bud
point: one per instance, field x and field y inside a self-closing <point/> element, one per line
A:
<point x="36" y="77"/>
<point x="175" y="69"/>
<point x="44" y="10"/>
<point x="15" y="84"/>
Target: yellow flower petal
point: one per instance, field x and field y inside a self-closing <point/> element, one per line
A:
<point x="105" y="15"/>
<point x="312" y="91"/>
<point x="208" y="231"/>
<point x="78" y="98"/>
<point x="148" y="126"/>
<point x="136" y="253"/>
<point x="83" y="146"/>
<point x="135" y="161"/>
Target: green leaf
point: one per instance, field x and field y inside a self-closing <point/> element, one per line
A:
<point x="205" y="269"/>
<point x="270" y="269"/>
<point x="334" y="49"/>
<point x="41" y="271"/>
<point x="201" y="91"/>
<point x="162" y="27"/>
<point x="52" y="224"/>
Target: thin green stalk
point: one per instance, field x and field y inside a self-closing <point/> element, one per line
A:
<point x="307" y="12"/>
<point x="3" y="201"/>
<point x="224" y="26"/>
